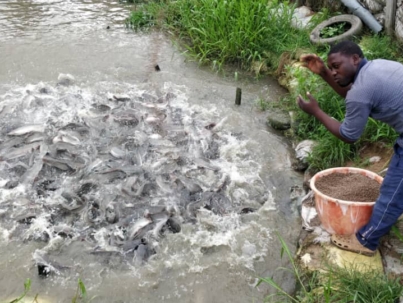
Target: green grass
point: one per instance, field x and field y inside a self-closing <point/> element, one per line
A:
<point x="334" y="285"/>
<point x="254" y="36"/>
<point x="27" y="287"/>
<point x="80" y="295"/>
<point x="231" y="32"/>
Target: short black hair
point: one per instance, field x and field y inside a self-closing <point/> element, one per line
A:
<point x="346" y="48"/>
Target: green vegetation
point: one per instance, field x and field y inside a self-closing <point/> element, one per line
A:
<point x="259" y="36"/>
<point x="334" y="30"/>
<point x="81" y="293"/>
<point x="335" y="284"/>
<point x="79" y="297"/>
<point x="229" y="32"/>
<point x="27" y="287"/>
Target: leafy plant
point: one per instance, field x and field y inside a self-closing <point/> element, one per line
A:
<point x="334" y="30"/>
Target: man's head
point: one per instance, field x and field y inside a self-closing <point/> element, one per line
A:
<point x="343" y="61"/>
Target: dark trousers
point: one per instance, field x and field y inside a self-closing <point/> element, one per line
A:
<point x="389" y="205"/>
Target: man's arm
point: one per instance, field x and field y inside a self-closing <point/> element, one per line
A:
<point x="313" y="109"/>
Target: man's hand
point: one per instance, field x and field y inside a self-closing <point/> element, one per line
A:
<point x="311" y="107"/>
<point x="314" y="63"/>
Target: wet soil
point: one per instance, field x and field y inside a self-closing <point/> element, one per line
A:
<point x="349" y="187"/>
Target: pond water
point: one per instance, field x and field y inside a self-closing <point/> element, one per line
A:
<point x="149" y="186"/>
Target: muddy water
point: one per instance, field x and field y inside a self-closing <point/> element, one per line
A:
<point x="214" y="258"/>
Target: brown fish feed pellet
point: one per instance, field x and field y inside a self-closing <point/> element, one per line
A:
<point x="349" y="187"/>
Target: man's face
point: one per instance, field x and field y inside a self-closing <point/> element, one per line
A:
<point x="343" y="67"/>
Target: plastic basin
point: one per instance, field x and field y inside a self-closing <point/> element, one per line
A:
<point x="338" y="216"/>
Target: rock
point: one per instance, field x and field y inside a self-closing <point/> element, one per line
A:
<point x="374" y="6"/>
<point x="302" y="152"/>
<point x="380" y="17"/>
<point x="374" y="159"/>
<point x="301" y="17"/>
<point x="279" y="120"/>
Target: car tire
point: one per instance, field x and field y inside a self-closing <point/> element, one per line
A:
<point x="355" y="29"/>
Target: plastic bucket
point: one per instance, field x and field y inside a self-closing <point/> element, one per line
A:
<point x="338" y="216"/>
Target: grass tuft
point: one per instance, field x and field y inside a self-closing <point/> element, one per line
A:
<point x="335" y="285"/>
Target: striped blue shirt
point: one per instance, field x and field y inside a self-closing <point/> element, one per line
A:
<point x="377" y="92"/>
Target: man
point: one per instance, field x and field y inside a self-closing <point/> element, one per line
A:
<point x="371" y="89"/>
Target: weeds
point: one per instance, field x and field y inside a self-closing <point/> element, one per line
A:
<point x="334" y="30"/>
<point x="380" y="46"/>
<point x="354" y="286"/>
<point x="79" y="297"/>
<point x="27" y="287"/>
<point x="295" y="270"/>
<point x="81" y="292"/>
<point x="396" y="232"/>
<point x="140" y="20"/>
<point x="263" y="105"/>
<point x="335" y="285"/>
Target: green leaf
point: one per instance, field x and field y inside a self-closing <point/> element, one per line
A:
<point x="82" y="288"/>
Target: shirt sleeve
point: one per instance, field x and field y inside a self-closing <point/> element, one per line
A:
<point x="356" y="118"/>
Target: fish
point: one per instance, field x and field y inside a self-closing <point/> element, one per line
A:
<point x="35" y="137"/>
<point x="71" y="201"/>
<point x="18" y="151"/>
<point x="130" y="246"/>
<point x="158" y="226"/>
<point x="165" y="186"/>
<point x="65" y="231"/>
<point x="141" y="254"/>
<point x="32" y="172"/>
<point x="111" y="215"/>
<point x="77" y="127"/>
<point x="126" y="118"/>
<point x="121" y="98"/>
<point x="60" y="164"/>
<point x="100" y="108"/>
<point x="92" y="214"/>
<point x="15" y="141"/>
<point x="93" y="165"/>
<point x="205" y="163"/>
<point x="191" y="186"/>
<point x="23" y="130"/>
<point x="63" y="136"/>
<point x="117" y="152"/>
<point x="138" y="226"/>
<point x="57" y="147"/>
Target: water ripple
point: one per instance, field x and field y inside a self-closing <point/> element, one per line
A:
<point x="30" y="18"/>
